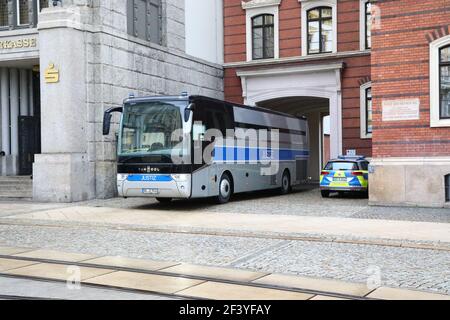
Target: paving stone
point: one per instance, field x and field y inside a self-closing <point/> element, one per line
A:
<point x="400" y="294"/>
<point x="147" y="282"/>
<point x="223" y="291"/>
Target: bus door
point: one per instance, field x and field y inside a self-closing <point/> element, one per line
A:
<point x="208" y="115"/>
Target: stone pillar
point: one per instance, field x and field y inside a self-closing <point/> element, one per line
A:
<point x="14" y="105"/>
<point x="63" y="172"/>
<point x="30" y="93"/>
<point x="24" y="93"/>
<point x="6" y="142"/>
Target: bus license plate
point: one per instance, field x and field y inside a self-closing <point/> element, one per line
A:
<point x="150" y="191"/>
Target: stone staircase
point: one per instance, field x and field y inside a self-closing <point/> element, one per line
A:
<point x="16" y="188"/>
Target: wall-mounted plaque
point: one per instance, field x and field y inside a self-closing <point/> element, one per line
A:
<point x="401" y="110"/>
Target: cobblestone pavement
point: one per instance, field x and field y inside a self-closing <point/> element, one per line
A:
<point x="426" y="270"/>
<point x="303" y="202"/>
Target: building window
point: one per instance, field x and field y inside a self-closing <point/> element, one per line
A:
<point x="320" y="30"/>
<point x="368" y="25"/>
<point x="369" y="111"/>
<point x="42" y="4"/>
<point x="440" y="82"/>
<point x="145" y="20"/>
<point x="262" y="29"/>
<point x="366" y="111"/>
<point x="23" y="16"/>
<point x="444" y="82"/>
<point x="263" y="36"/>
<point x="4" y="13"/>
<point x="447" y="188"/>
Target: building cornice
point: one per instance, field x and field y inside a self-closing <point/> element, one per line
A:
<point x="280" y="61"/>
<point x="259" y="4"/>
<point x="291" y="70"/>
<point x="412" y="161"/>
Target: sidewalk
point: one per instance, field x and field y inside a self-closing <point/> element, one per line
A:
<point x="397" y="233"/>
<point x="178" y="280"/>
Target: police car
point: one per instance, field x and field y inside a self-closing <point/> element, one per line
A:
<point x="345" y="174"/>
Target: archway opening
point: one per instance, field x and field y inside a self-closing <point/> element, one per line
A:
<point x="316" y="111"/>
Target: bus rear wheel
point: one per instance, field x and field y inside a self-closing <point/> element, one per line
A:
<point x="225" y="189"/>
<point x="164" y="200"/>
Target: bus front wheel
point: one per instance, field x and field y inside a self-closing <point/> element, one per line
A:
<point x="225" y="189"/>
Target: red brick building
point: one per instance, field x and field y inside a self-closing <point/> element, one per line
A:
<point x="339" y="57"/>
<point x="313" y="60"/>
<point x="411" y="102"/>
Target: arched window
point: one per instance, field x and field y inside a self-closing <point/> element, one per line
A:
<point x="320" y="30"/>
<point x="263" y="36"/>
<point x="368" y="25"/>
<point x="444" y="82"/>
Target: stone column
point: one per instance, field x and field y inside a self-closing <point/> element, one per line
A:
<point x="4" y="79"/>
<point x="14" y="118"/>
<point x="24" y="93"/>
<point x="30" y="93"/>
<point x="63" y="172"/>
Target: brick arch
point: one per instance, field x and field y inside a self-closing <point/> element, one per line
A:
<point x="438" y="33"/>
<point x="364" y="80"/>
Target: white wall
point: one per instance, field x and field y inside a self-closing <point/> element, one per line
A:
<point x="204" y="29"/>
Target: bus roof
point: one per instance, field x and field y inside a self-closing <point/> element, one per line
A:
<point x="194" y="98"/>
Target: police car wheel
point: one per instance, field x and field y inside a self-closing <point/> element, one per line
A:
<point x="225" y="190"/>
<point x="325" y="194"/>
<point x="285" y="183"/>
<point x="164" y="200"/>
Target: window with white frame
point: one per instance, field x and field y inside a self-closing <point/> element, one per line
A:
<point x="263" y="36"/>
<point x="444" y="84"/>
<point x="262" y="32"/>
<point x="365" y="24"/>
<point x="320" y="30"/>
<point x="440" y="82"/>
<point x="366" y="110"/>
<point x="319" y="26"/>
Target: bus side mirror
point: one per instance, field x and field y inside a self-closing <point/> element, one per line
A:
<point x="107" y="119"/>
<point x="187" y="112"/>
<point x="106" y="123"/>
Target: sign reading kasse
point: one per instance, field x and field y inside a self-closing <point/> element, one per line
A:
<point x="18" y="44"/>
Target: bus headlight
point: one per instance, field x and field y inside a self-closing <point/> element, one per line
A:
<point x="122" y="177"/>
<point x="180" y="177"/>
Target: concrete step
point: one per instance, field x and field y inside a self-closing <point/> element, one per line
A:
<point x="6" y="196"/>
<point x="16" y="187"/>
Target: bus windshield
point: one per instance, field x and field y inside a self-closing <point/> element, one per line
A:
<point x="147" y="128"/>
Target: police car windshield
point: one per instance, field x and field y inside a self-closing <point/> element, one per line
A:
<point x="341" y="165"/>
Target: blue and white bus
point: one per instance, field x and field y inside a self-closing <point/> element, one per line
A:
<point x="166" y="149"/>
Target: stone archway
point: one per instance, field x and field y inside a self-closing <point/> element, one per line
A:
<point x="318" y="81"/>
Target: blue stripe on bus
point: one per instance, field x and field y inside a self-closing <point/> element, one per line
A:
<point x="149" y="178"/>
<point x="257" y="154"/>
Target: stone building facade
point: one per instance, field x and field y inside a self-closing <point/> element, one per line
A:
<point x="90" y="55"/>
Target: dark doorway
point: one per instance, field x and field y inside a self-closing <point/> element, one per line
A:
<point x="30" y="132"/>
<point x="29" y="139"/>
